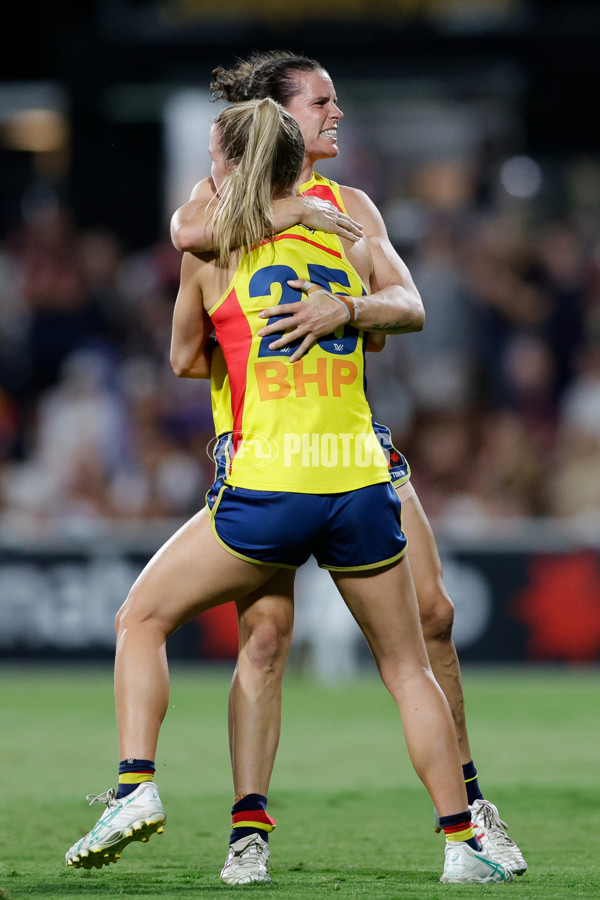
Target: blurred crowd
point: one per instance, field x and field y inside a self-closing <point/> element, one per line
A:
<point x="496" y="404"/>
<point x="94" y="426"/>
<point x="501" y="391"/>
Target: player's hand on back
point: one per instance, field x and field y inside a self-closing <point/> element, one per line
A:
<point x="309" y="319"/>
<point x="322" y="215"/>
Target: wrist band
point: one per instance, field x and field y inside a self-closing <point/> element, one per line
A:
<point x="348" y="302"/>
<point x="346" y="307"/>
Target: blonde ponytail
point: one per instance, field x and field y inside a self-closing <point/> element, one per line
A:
<point x="265" y="144"/>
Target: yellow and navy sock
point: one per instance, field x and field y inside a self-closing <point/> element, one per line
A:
<point x="471" y="783"/>
<point x="249" y="816"/>
<point x="132" y="772"/>
<point x="460" y="828"/>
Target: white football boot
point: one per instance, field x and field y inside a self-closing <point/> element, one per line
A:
<point x="492" y="834"/>
<point x="134" y="817"/>
<point x="463" y="865"/>
<point x="247" y="861"/>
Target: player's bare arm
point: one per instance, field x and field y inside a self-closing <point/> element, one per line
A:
<point x="191" y="343"/>
<point x="191" y="224"/>
<point x="394" y="305"/>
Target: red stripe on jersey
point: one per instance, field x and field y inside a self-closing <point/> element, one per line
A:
<point x="324" y="192"/>
<point x="299" y="237"/>
<point x="235" y="337"/>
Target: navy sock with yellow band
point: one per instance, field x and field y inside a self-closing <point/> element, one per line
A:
<point x="471" y="783"/>
<point x="249" y="816"/>
<point x="132" y="773"/>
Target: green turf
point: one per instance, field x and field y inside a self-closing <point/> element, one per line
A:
<point x="353" y="820"/>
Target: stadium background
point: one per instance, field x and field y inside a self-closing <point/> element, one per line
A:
<point x="472" y="126"/>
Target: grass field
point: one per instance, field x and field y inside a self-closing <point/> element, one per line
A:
<point x="353" y="820"/>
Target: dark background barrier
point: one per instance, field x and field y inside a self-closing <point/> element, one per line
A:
<point x="512" y="605"/>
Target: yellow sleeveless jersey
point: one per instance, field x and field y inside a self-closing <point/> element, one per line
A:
<point x="305" y="427"/>
<point x="317" y="186"/>
<point x="324" y="188"/>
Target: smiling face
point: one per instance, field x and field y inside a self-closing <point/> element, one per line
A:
<point x="314" y="108"/>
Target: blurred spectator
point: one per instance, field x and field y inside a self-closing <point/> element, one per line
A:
<point x="440" y="360"/>
<point x="60" y="312"/>
<point x="565" y="278"/>
<point x="77" y="438"/>
<point x="575" y="485"/>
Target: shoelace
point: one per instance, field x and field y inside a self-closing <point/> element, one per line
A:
<point x="108" y="797"/>
<point x="493" y="822"/>
<point x="250" y="855"/>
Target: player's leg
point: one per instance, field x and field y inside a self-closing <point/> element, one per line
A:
<point x="189" y="574"/>
<point x="435" y="609"/>
<point x="384" y="603"/>
<point x="380" y="593"/>
<point x="265" y="624"/>
<point x="437" y="617"/>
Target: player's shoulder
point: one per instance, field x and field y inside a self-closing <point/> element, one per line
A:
<point x="357" y="202"/>
<point x="203" y="189"/>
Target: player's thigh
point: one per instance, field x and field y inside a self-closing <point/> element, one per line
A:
<point x="384" y="604"/>
<point x="423" y="553"/>
<point x="191" y="573"/>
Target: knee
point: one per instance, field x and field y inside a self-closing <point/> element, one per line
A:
<point x="437" y="613"/>
<point x="120" y="620"/>
<point x="267" y="643"/>
<point x="131" y="614"/>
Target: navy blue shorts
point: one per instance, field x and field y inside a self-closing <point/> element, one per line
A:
<point x="355" y="530"/>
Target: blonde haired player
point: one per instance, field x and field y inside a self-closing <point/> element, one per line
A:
<point x="246" y="535"/>
<point x="305" y="89"/>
